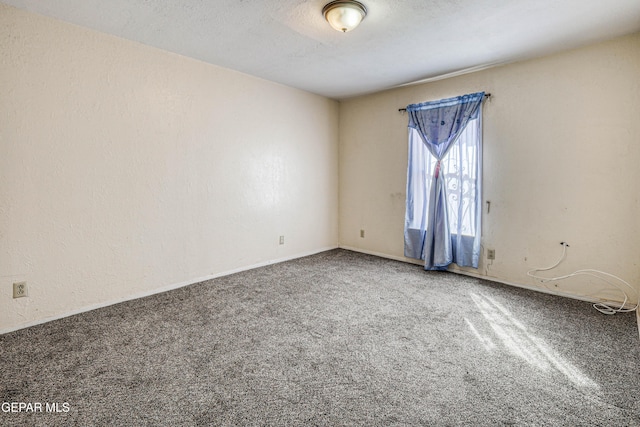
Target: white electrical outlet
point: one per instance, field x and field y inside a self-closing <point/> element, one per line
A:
<point x="20" y="290"/>
<point x="491" y="254"/>
<point x="282" y="240"/>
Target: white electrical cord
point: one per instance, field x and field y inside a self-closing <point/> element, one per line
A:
<point x="600" y="306"/>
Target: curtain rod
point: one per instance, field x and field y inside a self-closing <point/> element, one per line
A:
<point x="487" y="95"/>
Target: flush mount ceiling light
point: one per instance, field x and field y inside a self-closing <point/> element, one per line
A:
<point x="344" y="15"/>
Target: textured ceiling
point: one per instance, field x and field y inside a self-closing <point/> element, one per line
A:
<point x="399" y="42"/>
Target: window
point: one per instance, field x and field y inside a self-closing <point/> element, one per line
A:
<point x="452" y="189"/>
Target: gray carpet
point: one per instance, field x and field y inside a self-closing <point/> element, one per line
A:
<point x="338" y="338"/>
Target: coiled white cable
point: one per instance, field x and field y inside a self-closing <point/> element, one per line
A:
<point x="600" y="306"/>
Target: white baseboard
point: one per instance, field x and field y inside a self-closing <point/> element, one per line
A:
<point x="592" y="300"/>
<point x="381" y="255"/>
<point x="544" y="290"/>
<point x="275" y="261"/>
<point x="160" y="290"/>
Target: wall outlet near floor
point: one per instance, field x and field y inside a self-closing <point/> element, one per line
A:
<point x="491" y="254"/>
<point x="20" y="290"/>
<point x="362" y="233"/>
<point x="282" y="240"/>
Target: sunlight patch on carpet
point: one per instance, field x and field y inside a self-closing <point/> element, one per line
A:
<point x="520" y="342"/>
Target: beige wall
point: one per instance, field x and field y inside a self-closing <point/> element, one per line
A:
<point x="561" y="163"/>
<point x="125" y="170"/>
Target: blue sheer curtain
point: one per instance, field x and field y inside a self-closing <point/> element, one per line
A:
<point x="442" y="221"/>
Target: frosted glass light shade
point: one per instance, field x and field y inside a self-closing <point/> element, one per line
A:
<point x="344" y="15"/>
